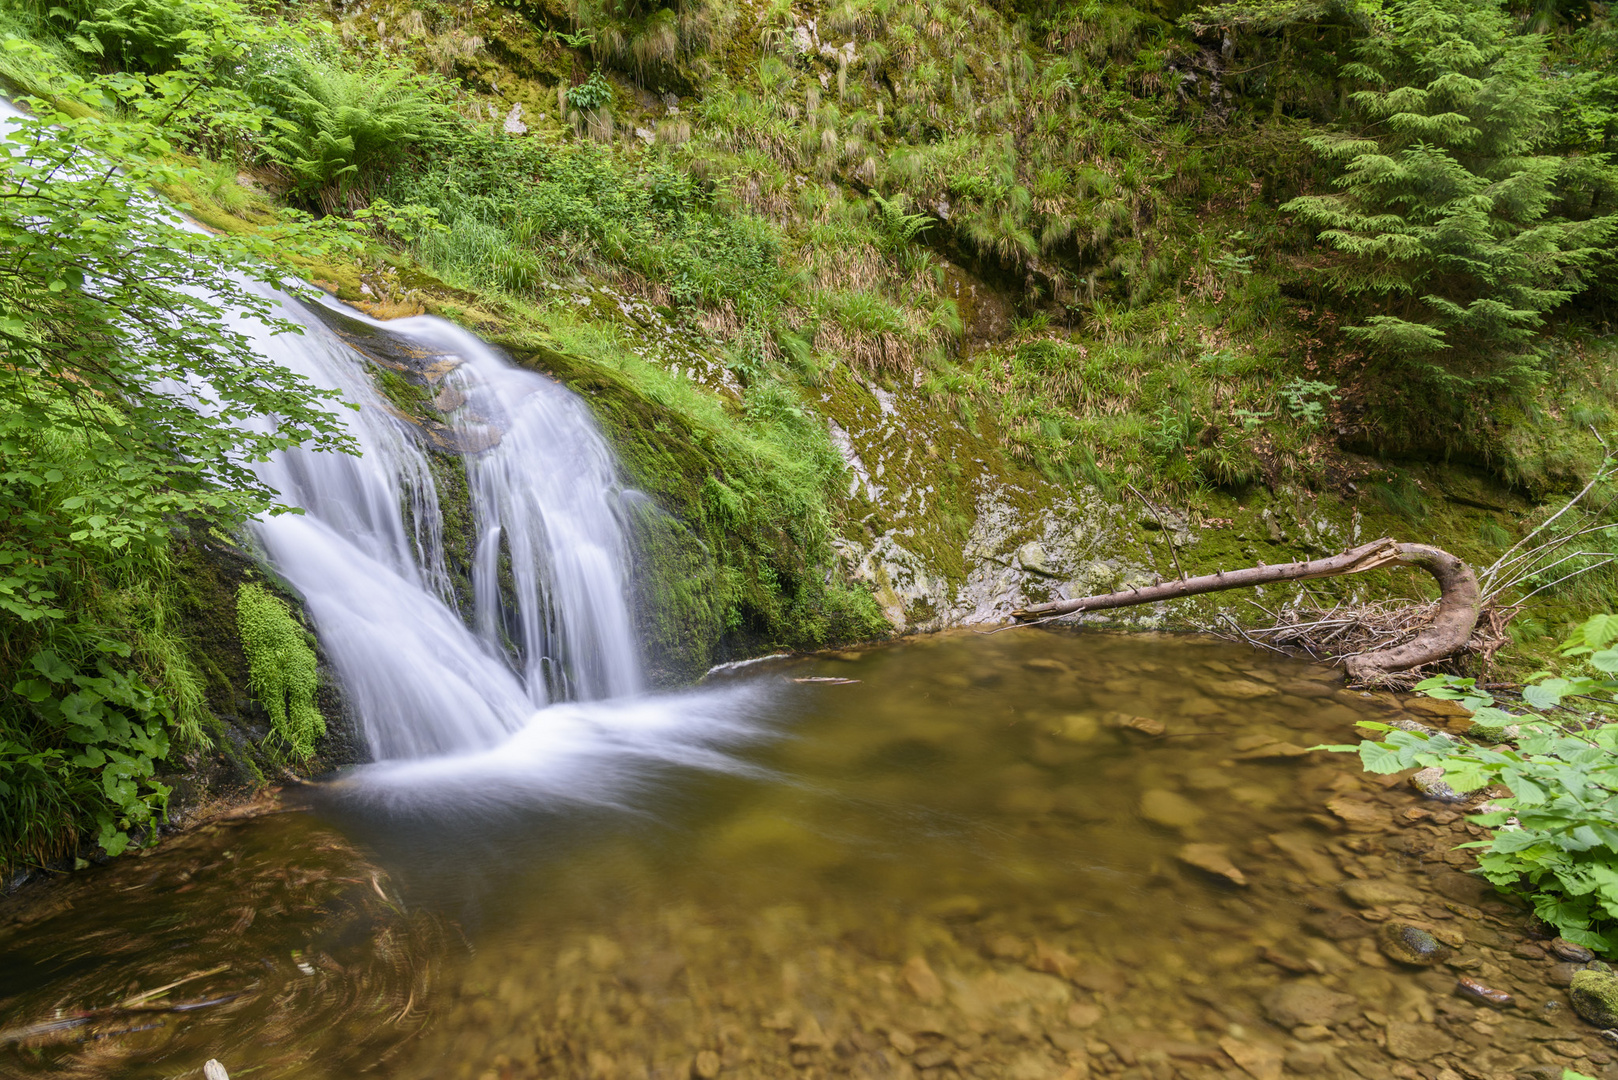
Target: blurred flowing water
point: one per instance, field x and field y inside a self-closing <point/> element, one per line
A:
<point x="367" y="555"/>
<point x="973" y="859"/>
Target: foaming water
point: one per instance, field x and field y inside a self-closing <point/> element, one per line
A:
<point x="546" y="497"/>
<point x="601" y="753"/>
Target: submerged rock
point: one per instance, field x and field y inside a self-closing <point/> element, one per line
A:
<point x="919" y="976"/>
<point x="1567" y="950"/>
<point x="1211" y="858"/>
<point x="1595" y="997"/>
<point x="1417" y="1042"/>
<point x="1163" y="807"/>
<point x="1410" y="945"/>
<point x="1076" y="727"/>
<point x="1469" y="987"/>
<point x="1308" y="1004"/>
<point x="1373" y="893"/>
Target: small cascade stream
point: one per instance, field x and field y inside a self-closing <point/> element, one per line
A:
<point x="424" y="679"/>
<point x="458" y="694"/>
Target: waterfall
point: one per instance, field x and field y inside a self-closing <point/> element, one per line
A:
<point x="503" y="700"/>
<point x="421" y="679"/>
<point x="545" y="496"/>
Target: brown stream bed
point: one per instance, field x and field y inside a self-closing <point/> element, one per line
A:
<point x="973" y="861"/>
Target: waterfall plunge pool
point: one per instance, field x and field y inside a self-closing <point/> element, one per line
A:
<point x="974" y="861"/>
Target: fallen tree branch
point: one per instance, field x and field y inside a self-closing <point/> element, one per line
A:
<point x="1451" y="625"/>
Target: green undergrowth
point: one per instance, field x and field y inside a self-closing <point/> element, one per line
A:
<point x="281" y="669"/>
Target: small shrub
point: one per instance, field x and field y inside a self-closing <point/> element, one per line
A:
<point x="340" y="127"/>
<point x="1554" y="839"/>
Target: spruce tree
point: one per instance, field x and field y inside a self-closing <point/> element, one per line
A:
<point x="1450" y="223"/>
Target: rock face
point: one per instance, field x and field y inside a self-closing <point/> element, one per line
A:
<point x="1595" y="997"/>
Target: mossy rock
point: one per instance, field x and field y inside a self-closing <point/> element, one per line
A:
<point x="1595" y="997"/>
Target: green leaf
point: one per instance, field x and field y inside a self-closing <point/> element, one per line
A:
<point x="1381" y="758"/>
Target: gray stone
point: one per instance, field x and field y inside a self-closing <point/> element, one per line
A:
<point x="1032" y="557"/>
<point x="1430" y="782"/>
<point x="1410" y="945"/>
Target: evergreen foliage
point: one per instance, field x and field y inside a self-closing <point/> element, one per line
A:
<point x="281" y="667"/>
<point x="1449" y="220"/>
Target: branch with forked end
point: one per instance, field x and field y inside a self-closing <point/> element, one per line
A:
<point x="1451" y="626"/>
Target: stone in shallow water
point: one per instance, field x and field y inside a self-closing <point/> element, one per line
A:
<point x="1053" y="961"/>
<point x="923" y="982"/>
<point x="1359" y="816"/>
<point x="1273" y="751"/>
<point x="1076" y="727"/>
<point x="1212" y="859"/>
<point x="1595" y="997"/>
<point x="1410" y="945"/>
<point x="1567" y="950"/>
<point x="1083" y="1015"/>
<point x="1308" y="1004"/>
<point x="1262" y="1061"/>
<point x="1561" y="974"/>
<point x="1240" y="689"/>
<point x="1375" y="893"/>
<point x="1171" y="810"/>
<point x="1144" y="725"/>
<point x="1304" y="688"/>
<point x="1417" y="1042"/>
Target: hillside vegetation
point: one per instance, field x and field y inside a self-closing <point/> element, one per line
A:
<point x="1224" y="256"/>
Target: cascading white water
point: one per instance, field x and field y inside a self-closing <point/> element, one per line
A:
<point x="420" y="682"/>
<point x="440" y="703"/>
<point x="544" y="495"/>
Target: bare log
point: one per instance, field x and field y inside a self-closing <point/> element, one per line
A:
<point x="1451" y="627"/>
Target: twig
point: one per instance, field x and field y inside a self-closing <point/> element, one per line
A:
<point x="1565" y="577"/>
<point x="1169" y="536"/>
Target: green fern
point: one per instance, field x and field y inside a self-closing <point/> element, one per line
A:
<point x="338" y="126"/>
<point x="281" y="668"/>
